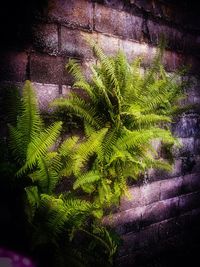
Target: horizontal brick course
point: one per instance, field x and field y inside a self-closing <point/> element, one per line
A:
<point x="159" y="211"/>
<point x="173" y="36"/>
<point x="71" y="13"/>
<point x="45" y="69"/>
<point x="48" y="69"/>
<point x="133" y="241"/>
<point x="170" y="188"/>
<point x="73" y="43"/>
<point x="108" y="20"/>
<point x="189" y="201"/>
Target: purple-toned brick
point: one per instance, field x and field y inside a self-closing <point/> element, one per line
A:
<point x="48" y="69"/>
<point x="131" y="201"/>
<point x="45" y="38"/>
<point x="146" y="237"/>
<point x="169" y="228"/>
<point x="170" y="188"/>
<point x="71" y="13"/>
<point x="119" y="23"/>
<point x="159" y="211"/>
<point x="186" y="147"/>
<point x="191" y="182"/>
<point x="150" y="193"/>
<point x="187" y="126"/>
<point x="124" y="217"/>
<point x="189" y="201"/>
<point x="196" y="146"/>
<point x="173" y="36"/>
<point x="46" y="93"/>
<point x="172" y="61"/>
<point x="177" y="168"/>
<point x="13" y="66"/>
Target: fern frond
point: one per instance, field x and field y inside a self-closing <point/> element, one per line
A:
<point x="86" y="178"/>
<point x="39" y="146"/>
<point x="87" y="88"/>
<point x="88" y="148"/>
<point x="80" y="108"/>
<point x="67" y="146"/>
<point x="29" y="123"/>
<point x="74" y="68"/>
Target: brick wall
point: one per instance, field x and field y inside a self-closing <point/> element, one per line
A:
<point x="168" y="204"/>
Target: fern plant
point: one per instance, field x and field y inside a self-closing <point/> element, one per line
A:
<point x="123" y="111"/>
<point x="52" y="219"/>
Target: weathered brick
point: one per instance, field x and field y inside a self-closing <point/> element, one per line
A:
<point x="133" y="50"/>
<point x="159" y="211"/>
<point x="170" y="188"/>
<point x="189" y="201"/>
<point x="109" y="44"/>
<point x="71" y="13"/>
<point x="191" y="182"/>
<point x="129" y="219"/>
<point x="45" y="38"/>
<point x="108" y="20"/>
<point x="190" y="164"/>
<point x="150" y="193"/>
<point x="48" y="69"/>
<point x="13" y="66"/>
<point x="133" y="201"/>
<point x="187" y="126"/>
<point x="74" y="44"/>
<point x="46" y="93"/>
<point x="146" y="237"/>
<point x="172" y="61"/>
<point x="156" y="174"/>
<point x="169" y="228"/>
<point x="173" y="36"/>
<point x="185" y="219"/>
<point x="187" y="146"/>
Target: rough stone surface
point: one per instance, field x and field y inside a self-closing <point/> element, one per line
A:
<point x="170" y="188"/>
<point x="13" y="66"/>
<point x="108" y="20"/>
<point x="46" y="93"/>
<point x="146" y="237"/>
<point x="47" y="69"/>
<point x="133" y="201"/>
<point x="169" y="228"/>
<point x="173" y="36"/>
<point x="45" y="38"/>
<point x="109" y="44"/>
<point x="71" y="13"/>
<point x="74" y="44"/>
<point x="187" y="126"/>
<point x="159" y="211"/>
<point x="189" y="201"/>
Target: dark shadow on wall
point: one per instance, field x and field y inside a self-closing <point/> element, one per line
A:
<point x="16" y="20"/>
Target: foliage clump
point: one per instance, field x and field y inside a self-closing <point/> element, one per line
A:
<point x="122" y="111"/>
